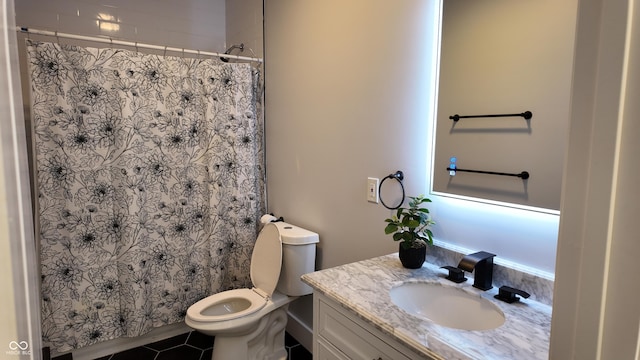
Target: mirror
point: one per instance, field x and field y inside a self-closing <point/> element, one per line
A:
<point x="504" y="57"/>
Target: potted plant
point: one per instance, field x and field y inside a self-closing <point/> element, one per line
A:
<point x="410" y="226"/>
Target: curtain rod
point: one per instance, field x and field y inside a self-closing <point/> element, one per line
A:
<point x="27" y="30"/>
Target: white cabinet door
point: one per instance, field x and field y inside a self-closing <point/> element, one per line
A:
<point x="351" y="339"/>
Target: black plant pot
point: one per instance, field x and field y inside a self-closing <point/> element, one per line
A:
<point x="413" y="257"/>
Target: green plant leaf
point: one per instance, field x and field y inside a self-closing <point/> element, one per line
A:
<point x="390" y="228"/>
<point x="412" y="224"/>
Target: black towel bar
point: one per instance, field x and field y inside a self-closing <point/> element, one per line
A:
<point x="527" y="115"/>
<point x="524" y="175"/>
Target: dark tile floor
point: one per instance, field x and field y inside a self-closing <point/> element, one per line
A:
<point x="189" y="346"/>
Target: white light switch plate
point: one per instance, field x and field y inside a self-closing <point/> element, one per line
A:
<point x="372" y="189"/>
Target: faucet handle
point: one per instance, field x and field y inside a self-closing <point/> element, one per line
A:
<point x="455" y="274"/>
<point x="508" y="294"/>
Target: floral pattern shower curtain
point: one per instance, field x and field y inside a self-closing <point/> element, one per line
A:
<point x="150" y="184"/>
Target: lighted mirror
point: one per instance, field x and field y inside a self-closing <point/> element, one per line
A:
<point x="505" y="58"/>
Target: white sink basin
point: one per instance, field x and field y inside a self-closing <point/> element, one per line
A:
<point x="447" y="306"/>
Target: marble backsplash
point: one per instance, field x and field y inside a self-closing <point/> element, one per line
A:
<point x="539" y="287"/>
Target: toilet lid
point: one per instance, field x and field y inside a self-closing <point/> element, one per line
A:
<point x="266" y="259"/>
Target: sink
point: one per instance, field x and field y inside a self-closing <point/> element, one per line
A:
<point x="447" y="306"/>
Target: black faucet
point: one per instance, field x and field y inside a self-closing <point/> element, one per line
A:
<point x="482" y="265"/>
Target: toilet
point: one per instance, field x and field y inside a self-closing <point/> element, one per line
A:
<point x="250" y="323"/>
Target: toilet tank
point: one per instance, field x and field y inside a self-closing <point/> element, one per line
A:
<point x="298" y="258"/>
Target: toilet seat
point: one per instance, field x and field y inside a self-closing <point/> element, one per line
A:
<point x="266" y="264"/>
<point x="226" y="305"/>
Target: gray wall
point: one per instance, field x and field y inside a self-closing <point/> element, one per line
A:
<point x="348" y="88"/>
<point x="244" y="25"/>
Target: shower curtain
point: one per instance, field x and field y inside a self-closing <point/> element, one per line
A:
<point x="150" y="184"/>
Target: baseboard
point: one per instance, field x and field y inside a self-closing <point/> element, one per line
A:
<point x="302" y="332"/>
<point x="296" y="327"/>
<point x="122" y="344"/>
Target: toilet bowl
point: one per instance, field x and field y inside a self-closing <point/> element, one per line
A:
<point x="250" y="323"/>
<point x="233" y="311"/>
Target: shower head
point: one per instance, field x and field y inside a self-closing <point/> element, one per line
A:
<point x="228" y="52"/>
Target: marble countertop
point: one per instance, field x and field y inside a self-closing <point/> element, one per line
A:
<point x="363" y="288"/>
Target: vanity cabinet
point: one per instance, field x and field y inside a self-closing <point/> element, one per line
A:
<point x="339" y="334"/>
